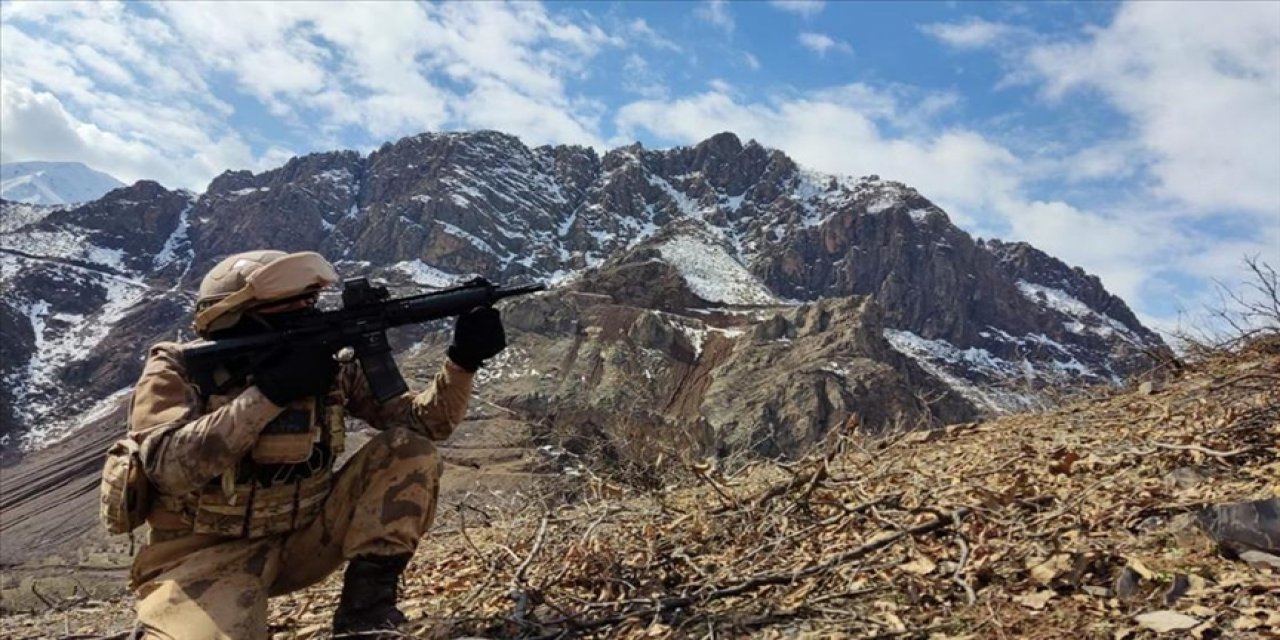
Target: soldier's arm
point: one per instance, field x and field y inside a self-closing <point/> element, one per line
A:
<point x="433" y="412"/>
<point x="181" y="449"/>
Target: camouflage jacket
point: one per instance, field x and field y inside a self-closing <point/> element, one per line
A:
<point x="184" y="448"/>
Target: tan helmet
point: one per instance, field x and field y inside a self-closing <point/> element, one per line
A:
<point x="246" y="280"/>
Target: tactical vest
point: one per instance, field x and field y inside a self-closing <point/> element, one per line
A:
<point x="279" y="486"/>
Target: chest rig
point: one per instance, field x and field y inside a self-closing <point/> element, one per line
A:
<point x="281" y="484"/>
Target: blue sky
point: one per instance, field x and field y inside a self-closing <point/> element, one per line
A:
<point x="1140" y="141"/>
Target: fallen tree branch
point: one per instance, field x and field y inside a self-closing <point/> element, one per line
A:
<point x="518" y="578"/>
<point x="1206" y="451"/>
<point x="1241" y="378"/>
<point x="663" y="605"/>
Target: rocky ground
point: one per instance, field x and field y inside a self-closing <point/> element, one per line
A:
<point x="1102" y="518"/>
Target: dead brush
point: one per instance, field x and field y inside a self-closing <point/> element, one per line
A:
<point x="1018" y="527"/>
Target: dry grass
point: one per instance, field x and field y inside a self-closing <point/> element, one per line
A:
<point x="1064" y="524"/>
<point x="1025" y="527"/>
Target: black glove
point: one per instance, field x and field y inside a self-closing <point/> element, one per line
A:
<point x="477" y="336"/>
<point x="297" y="373"/>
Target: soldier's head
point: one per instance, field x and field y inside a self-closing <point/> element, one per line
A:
<point x="246" y="286"/>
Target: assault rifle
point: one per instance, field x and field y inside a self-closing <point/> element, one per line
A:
<point x="362" y="322"/>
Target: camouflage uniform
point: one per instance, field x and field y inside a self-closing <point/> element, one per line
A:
<point x="196" y="579"/>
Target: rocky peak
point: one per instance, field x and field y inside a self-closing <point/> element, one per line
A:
<point x="229" y="181"/>
<point x="1032" y="266"/>
<point x="713" y="230"/>
<point x="120" y="232"/>
<point x="622" y="156"/>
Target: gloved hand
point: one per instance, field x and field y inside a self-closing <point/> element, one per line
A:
<point x="298" y="373"/>
<point x="477" y="336"/>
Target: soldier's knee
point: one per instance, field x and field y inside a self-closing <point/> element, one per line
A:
<point x="405" y="445"/>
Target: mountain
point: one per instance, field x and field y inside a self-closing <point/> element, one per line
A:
<point x="52" y="183"/>
<point x="719" y="291"/>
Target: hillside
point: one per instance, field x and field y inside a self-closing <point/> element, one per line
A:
<point x="1097" y="519"/>
<point x="709" y="233"/>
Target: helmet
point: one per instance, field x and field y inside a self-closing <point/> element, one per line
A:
<point x="247" y="280"/>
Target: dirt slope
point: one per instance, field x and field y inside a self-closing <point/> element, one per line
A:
<point x="1081" y="522"/>
<point x="49" y="499"/>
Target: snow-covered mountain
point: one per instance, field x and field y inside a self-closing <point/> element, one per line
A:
<point x="700" y="235"/>
<point x="52" y="183"/>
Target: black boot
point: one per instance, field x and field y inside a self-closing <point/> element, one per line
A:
<point x="368" y="603"/>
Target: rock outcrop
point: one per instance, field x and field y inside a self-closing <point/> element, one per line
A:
<point x="707" y="233"/>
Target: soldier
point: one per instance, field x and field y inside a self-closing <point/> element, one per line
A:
<point x="246" y="504"/>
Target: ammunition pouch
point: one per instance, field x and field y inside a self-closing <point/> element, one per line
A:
<point x="124" y="491"/>
<point x="281" y="485"/>
<point x="253" y="511"/>
<point x="289" y="438"/>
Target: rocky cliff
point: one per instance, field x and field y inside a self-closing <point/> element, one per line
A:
<point x="716" y="269"/>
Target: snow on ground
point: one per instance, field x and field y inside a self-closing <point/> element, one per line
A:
<point x="712" y="274"/>
<point x="339" y="178"/>
<point x="69" y="243"/>
<point x="426" y="275"/>
<point x="178" y="245"/>
<point x="941" y="358"/>
<point x="883" y="203"/>
<point x="1085" y="318"/>
<point x="61" y="339"/>
<point x="55" y="431"/>
<point x="922" y="215"/>
<point x="687" y="206"/>
<point x="512" y="362"/>
<point x="695" y="331"/>
<point x="459" y="232"/>
<point x="15" y="215"/>
<point x="35" y="190"/>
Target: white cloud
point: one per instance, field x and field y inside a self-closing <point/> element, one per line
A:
<point x="1200" y="84"/>
<point x="751" y="61"/>
<point x="821" y="43"/>
<point x="640" y="78"/>
<point x="974" y="33"/>
<point x="719" y="85"/>
<point x="806" y="8"/>
<point x="716" y="13"/>
<point x="131" y="84"/>
<point x="1110" y="160"/>
<point x="641" y="29"/>
<point x="496" y="105"/>
<point x="37" y="125"/>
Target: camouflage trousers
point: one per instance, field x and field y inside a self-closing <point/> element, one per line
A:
<point x="381" y="503"/>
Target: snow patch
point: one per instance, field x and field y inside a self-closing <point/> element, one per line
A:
<point x="921" y="215"/>
<point x="70" y="243"/>
<point x="16" y="215"/>
<point x="60" y="340"/>
<point x="939" y="357"/>
<point x="712" y="274"/>
<point x="61" y="429"/>
<point x="475" y="241"/>
<point x="339" y="178"/>
<point x="1085" y="318"/>
<point x="696" y="334"/>
<point x="424" y="274"/>
<point x="177" y="242"/>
